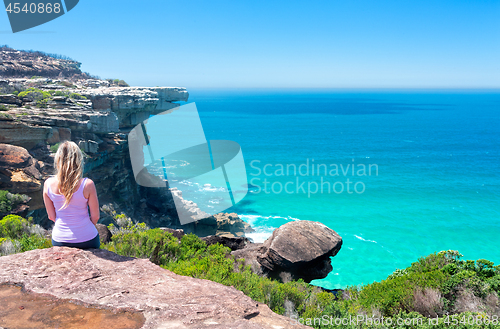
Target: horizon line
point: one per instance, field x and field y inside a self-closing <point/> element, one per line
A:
<point x="442" y="89"/>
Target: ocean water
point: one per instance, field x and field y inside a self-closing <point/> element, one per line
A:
<point x="426" y="170"/>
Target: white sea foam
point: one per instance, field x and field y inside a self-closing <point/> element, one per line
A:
<point x="360" y="238"/>
<point x="260" y="235"/>
<point x="262" y="232"/>
<point x="210" y="188"/>
<point x="253" y="218"/>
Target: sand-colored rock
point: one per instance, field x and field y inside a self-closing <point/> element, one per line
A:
<point x="22" y="309"/>
<point x="102" y="278"/>
<point x="18" y="170"/>
<point x="22" y="134"/>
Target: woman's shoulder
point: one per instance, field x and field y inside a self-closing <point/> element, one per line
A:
<point x="88" y="188"/>
<point x="50" y="179"/>
<point x="89" y="183"/>
<point x="50" y="182"/>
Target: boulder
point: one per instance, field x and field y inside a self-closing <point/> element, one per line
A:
<point x="178" y="233"/>
<point x="103" y="279"/>
<point x="298" y="249"/>
<point x="221" y="224"/>
<point x="231" y="225"/>
<point x="18" y="170"/>
<point x="104" y="234"/>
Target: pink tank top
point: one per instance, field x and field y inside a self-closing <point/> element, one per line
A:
<point x="73" y="222"/>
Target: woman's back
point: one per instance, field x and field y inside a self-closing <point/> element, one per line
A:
<point x="73" y="222"/>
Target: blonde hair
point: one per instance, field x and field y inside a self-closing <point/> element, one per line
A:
<point x="69" y="164"/>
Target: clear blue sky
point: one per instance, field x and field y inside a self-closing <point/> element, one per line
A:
<point x="278" y="44"/>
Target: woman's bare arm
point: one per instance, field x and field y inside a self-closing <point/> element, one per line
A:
<point x="49" y="205"/>
<point x="93" y="201"/>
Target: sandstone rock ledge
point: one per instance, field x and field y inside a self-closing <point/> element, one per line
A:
<point x="167" y="300"/>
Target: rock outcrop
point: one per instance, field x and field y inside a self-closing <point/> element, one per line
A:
<point x="235" y="243"/>
<point x="223" y="224"/>
<point x="97" y="116"/>
<point x="22" y="63"/>
<point x="135" y="104"/>
<point x="104" y="233"/>
<point x="103" y="279"/>
<point x="18" y="170"/>
<point x="298" y="249"/>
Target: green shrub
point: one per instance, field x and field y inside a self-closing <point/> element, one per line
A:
<point x="42" y="103"/>
<point x="118" y="82"/>
<point x="13" y="226"/>
<point x="494" y="283"/>
<point x="54" y="148"/>
<point x="18" y="234"/>
<point x="58" y="93"/>
<point x="3" y="108"/>
<point x="34" y="94"/>
<point x="125" y="224"/>
<point x="32" y="242"/>
<point x="396" y="294"/>
<point x="5" y="116"/>
<point x="76" y="96"/>
<point x="8" y="200"/>
<point x="153" y="244"/>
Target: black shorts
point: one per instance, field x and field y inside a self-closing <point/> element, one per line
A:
<point x="95" y="243"/>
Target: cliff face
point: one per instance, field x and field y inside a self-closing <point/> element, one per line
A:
<point x="38" y="112"/>
<point x="97" y="119"/>
<point x="96" y="113"/>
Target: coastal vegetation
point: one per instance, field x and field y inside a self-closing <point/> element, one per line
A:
<point x="18" y="234"/>
<point x="437" y="291"/>
<point x="117" y="82"/>
<point x="9" y="200"/>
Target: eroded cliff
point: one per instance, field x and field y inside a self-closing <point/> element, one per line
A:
<point x="38" y="112"/>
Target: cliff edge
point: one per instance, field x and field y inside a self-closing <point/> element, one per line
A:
<point x="166" y="300"/>
<point x="45" y="99"/>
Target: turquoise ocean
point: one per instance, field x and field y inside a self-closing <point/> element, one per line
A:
<point x="426" y="170"/>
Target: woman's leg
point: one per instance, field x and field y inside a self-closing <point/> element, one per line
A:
<point x="95" y="243"/>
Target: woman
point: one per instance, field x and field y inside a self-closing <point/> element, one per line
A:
<point x="68" y="198"/>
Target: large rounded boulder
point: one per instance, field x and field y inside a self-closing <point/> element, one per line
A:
<point x="299" y="249"/>
<point x="18" y="170"/>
